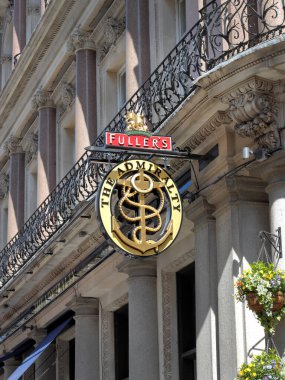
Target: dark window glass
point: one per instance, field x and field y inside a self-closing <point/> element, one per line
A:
<point x="186" y="322"/>
<point x="121" y="326"/>
<point x="72" y="359"/>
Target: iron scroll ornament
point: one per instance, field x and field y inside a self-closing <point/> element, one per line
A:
<point x="139" y="208"/>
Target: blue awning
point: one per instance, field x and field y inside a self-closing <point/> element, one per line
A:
<point x="38" y="351"/>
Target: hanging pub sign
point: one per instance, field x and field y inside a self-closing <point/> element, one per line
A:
<point x="138" y="203"/>
<point x="139" y="208"/>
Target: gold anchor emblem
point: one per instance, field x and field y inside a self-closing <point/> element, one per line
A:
<point x="138" y="186"/>
<point x="139" y="208"/>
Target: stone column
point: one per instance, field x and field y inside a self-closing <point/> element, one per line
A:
<point x="45" y="368"/>
<point x="87" y="363"/>
<point x="46" y="179"/>
<point x="10" y="366"/>
<point x="273" y="172"/>
<point x="16" y="197"/>
<point x="201" y="213"/>
<point x="19" y="27"/>
<point x="137" y="44"/>
<point x="143" y="322"/>
<point x="85" y="98"/>
<point x="241" y="213"/>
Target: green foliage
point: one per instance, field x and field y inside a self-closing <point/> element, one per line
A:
<point x="263" y="280"/>
<point x="263" y="367"/>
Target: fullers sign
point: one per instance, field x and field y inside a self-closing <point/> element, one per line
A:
<point x="137" y="136"/>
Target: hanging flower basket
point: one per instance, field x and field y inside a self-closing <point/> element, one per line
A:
<point x="263" y="288"/>
<point x="266" y="366"/>
<point x="254" y="304"/>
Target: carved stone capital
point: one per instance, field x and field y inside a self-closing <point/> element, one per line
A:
<point x="236" y="189"/>
<point x="30" y="146"/>
<point x="138" y="268"/>
<point x="252" y="108"/>
<point x="42" y="98"/>
<point x="13" y="145"/>
<point x="80" y="39"/>
<point x="112" y="30"/>
<point x="84" y="306"/>
<point x="4" y="185"/>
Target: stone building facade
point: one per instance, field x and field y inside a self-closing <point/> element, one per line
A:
<point x="211" y="75"/>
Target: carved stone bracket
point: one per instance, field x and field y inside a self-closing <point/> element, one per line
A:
<point x="67" y="96"/>
<point x="42" y="98"/>
<point x="80" y="39"/>
<point x="4" y="185"/>
<point x="13" y="145"/>
<point x="112" y="30"/>
<point x="253" y="110"/>
<point x="30" y="146"/>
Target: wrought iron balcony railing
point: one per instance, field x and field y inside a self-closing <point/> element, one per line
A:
<point x="222" y="31"/>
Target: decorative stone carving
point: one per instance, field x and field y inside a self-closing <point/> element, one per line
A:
<point x="30" y="146"/>
<point x="111" y="31"/>
<point x="13" y="145"/>
<point x="4" y="185"/>
<point x="220" y="118"/>
<point x="9" y="12"/>
<point x="33" y="10"/>
<point x="80" y="39"/>
<point x="252" y="108"/>
<point x="67" y="96"/>
<point x="107" y="344"/>
<point x="6" y="59"/>
<point x="166" y="325"/>
<point x="42" y="98"/>
<point x="3" y="153"/>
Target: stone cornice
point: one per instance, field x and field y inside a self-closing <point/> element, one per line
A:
<point x="216" y="121"/>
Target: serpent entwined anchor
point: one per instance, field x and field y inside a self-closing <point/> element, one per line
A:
<point x="137" y="186"/>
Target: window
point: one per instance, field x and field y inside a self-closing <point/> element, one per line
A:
<point x="181" y="18"/>
<point x="72" y="359"/>
<point x="186" y="322"/>
<point x="121" y="327"/>
<point x="121" y="87"/>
